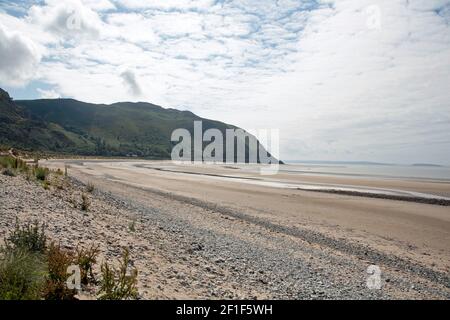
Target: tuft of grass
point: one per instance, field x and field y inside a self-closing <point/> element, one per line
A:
<point x="21" y="274"/>
<point x="8" y="162"/>
<point x="30" y="237"/>
<point x="85" y="203"/>
<point x="118" y="284"/>
<point x="90" y="187"/>
<point x="13" y="164"/>
<point x="41" y="173"/>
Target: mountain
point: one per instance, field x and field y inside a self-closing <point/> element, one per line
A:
<point x="74" y="127"/>
<point x="20" y="129"/>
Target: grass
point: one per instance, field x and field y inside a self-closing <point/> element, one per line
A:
<point x="41" y="173"/>
<point x="90" y="187"/>
<point x="12" y="165"/>
<point x="22" y="267"/>
<point x="22" y="275"/>
<point x="32" y="270"/>
<point x="29" y="237"/>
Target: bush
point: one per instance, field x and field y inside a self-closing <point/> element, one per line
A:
<point x="21" y="275"/>
<point x="8" y="162"/>
<point x="41" y="173"/>
<point x="117" y="284"/>
<point x="58" y="260"/>
<point x="16" y="164"/>
<point x="85" y="259"/>
<point x="29" y="237"/>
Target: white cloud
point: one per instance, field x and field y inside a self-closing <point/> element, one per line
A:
<point x="99" y="5"/>
<point x="69" y="19"/>
<point x="18" y="58"/>
<point x="166" y="4"/>
<point x="48" y="94"/>
<point x="336" y="87"/>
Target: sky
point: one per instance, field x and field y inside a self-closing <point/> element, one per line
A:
<point x="341" y="79"/>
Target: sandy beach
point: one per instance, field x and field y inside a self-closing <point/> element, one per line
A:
<point x="332" y="238"/>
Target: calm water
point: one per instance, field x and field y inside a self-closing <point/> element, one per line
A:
<point x="349" y="169"/>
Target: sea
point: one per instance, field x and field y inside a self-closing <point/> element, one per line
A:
<point x="368" y="169"/>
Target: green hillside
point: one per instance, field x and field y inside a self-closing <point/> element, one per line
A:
<point x="20" y="129"/>
<point x="73" y="127"/>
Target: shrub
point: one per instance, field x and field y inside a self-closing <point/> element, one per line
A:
<point x="21" y="275"/>
<point x="13" y="163"/>
<point x="117" y="284"/>
<point x="85" y="203"/>
<point x="29" y="237"/>
<point x="41" y="173"/>
<point x="58" y="260"/>
<point x="85" y="259"/>
<point x="7" y="162"/>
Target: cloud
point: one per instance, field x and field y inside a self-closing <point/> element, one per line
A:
<point x="48" y="94"/>
<point x="129" y="78"/>
<point x="18" y="58"/>
<point x="166" y="4"/>
<point x="69" y="19"/>
<point x="99" y="5"/>
<point x="338" y="79"/>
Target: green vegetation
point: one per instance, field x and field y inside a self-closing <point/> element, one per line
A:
<point x="11" y="166"/>
<point x="21" y="275"/>
<point x="67" y="126"/>
<point x="29" y="237"/>
<point x="58" y="260"/>
<point x="41" y="173"/>
<point x="118" y="284"/>
<point x="31" y="270"/>
<point x="22" y="264"/>
<point x="86" y="259"/>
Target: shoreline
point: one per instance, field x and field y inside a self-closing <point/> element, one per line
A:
<point x="193" y="237"/>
